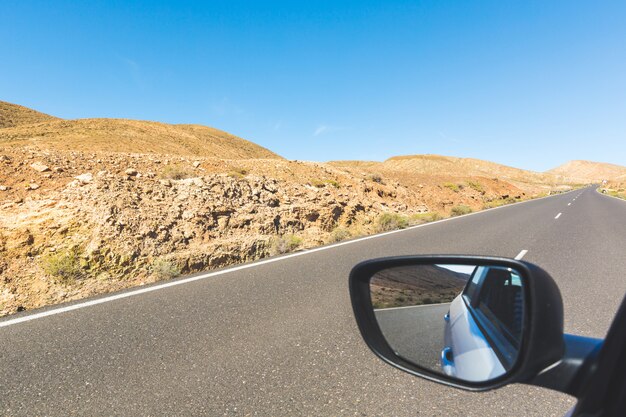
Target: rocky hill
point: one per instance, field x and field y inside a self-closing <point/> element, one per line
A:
<point x="452" y="167"/>
<point x="588" y="171"/>
<point x="96" y="205"/>
<point x="448" y="171"/>
<point x="12" y="115"/>
<point x="131" y="136"/>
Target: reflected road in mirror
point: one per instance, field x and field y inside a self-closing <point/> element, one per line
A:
<point x="461" y="320"/>
<point x="415" y="332"/>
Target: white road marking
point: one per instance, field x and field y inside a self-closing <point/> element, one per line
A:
<point x="131" y="293"/>
<point x="381" y="310"/>
<point x="558" y="215"/>
<point x="521" y="254"/>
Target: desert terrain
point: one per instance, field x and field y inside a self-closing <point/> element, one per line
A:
<point x="416" y="285"/>
<point x="96" y="205"/>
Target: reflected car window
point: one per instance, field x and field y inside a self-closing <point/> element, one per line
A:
<point x="472" y="286"/>
<point x="501" y="301"/>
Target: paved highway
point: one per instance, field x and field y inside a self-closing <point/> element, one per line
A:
<point x="278" y="338"/>
<point x="415" y="333"/>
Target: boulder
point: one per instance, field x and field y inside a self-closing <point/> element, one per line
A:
<point x="84" y="178"/>
<point x="38" y="166"/>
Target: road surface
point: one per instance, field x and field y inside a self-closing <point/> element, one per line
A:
<point x="278" y="337"/>
<point x="415" y="333"/>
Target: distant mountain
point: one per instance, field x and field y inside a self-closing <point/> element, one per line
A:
<point x="435" y="164"/>
<point x="12" y="115"/>
<point x="588" y="171"/>
<point x="449" y="166"/>
<point x="21" y="126"/>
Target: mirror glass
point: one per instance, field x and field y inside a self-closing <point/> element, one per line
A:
<point x="465" y="321"/>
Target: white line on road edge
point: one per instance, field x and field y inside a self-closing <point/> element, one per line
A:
<point x="558" y="215"/>
<point x="521" y="254"/>
<point x="380" y="310"/>
<point x="182" y="281"/>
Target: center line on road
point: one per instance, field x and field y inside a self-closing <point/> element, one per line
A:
<point x="521" y="254"/>
<point x="558" y="215"/>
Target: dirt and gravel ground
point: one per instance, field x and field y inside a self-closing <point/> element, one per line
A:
<point x="74" y="224"/>
<point x="97" y="205"/>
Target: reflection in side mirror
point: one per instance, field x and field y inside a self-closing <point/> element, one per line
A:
<point x="464" y="321"/>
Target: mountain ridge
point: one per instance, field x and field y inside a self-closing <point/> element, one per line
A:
<point x="591" y="171"/>
<point x="22" y="126"/>
<point x="12" y="115"/>
<point x="25" y="127"/>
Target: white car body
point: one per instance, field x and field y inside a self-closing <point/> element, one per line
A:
<point x="467" y="354"/>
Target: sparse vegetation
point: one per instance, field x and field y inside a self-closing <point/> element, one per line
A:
<point x="452" y="186"/>
<point x="339" y="234"/>
<point x="318" y="183"/>
<point x="323" y="183"/>
<point x="476" y="186"/>
<point x="460" y="210"/>
<point x="65" y="266"/>
<point x="427" y="217"/>
<point x="164" y="269"/>
<point x="238" y="173"/>
<point x="539" y="195"/>
<point x="391" y="221"/>
<point x="499" y="202"/>
<point x="176" y="172"/>
<point x="619" y="192"/>
<point x="393" y="297"/>
<point x="285" y="244"/>
<point x="376" y="178"/>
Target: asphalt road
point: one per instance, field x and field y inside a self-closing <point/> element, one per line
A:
<point x="415" y="333"/>
<point x="279" y="339"/>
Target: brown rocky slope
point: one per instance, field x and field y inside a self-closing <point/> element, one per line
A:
<point x="12" y="115"/>
<point x="77" y="222"/>
<point x="588" y="171"/>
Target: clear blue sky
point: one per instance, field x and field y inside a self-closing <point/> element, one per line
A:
<point x="531" y="84"/>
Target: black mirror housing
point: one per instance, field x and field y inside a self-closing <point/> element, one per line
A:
<point x="543" y="341"/>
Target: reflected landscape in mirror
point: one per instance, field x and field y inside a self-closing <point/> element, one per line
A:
<point x="464" y="321"/>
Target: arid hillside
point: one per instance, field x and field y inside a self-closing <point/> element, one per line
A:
<point x="96" y="205"/>
<point x="453" y="173"/>
<point x="410" y="286"/>
<point x="588" y="171"/>
<point x="12" y="115"/>
<point x="131" y="136"/>
<point x="449" y="166"/>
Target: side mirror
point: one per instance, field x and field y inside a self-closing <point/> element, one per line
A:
<point x="472" y="322"/>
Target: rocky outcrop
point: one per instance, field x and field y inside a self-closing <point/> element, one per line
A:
<point x="97" y="222"/>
